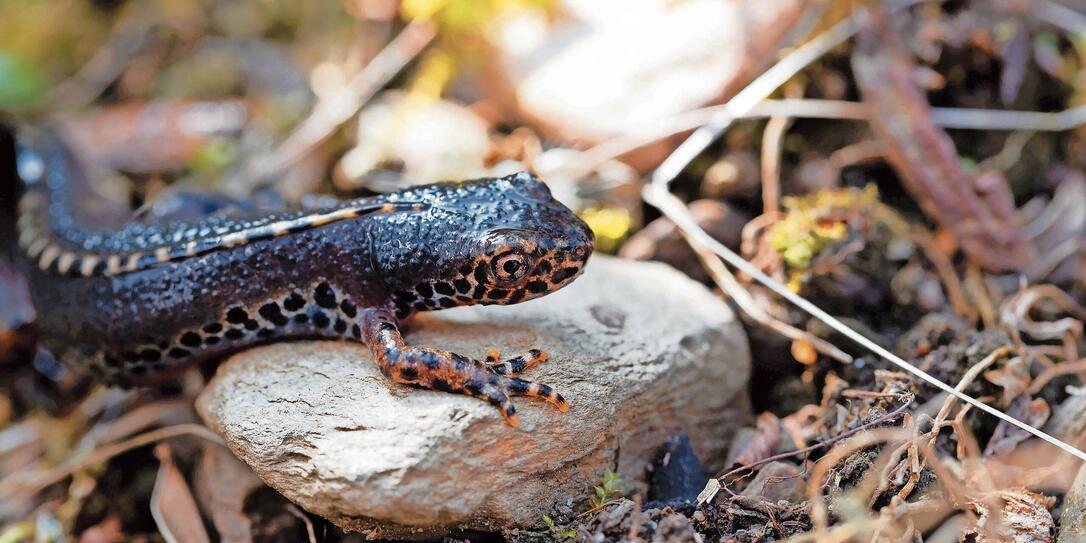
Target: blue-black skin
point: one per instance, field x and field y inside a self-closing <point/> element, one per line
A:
<point x="179" y="291"/>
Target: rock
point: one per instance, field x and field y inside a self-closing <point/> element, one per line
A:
<point x="677" y="473"/>
<point x="612" y="68"/>
<point x="641" y="352"/>
<point x="1073" y="518"/>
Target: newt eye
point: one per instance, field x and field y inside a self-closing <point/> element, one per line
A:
<point x="510" y="267"/>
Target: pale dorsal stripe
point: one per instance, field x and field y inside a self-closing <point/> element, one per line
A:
<point x="52" y="255"/>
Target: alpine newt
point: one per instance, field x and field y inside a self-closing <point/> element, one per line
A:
<point x="137" y="300"/>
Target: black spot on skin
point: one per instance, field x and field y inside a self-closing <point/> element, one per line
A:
<point x="294" y="302"/>
<point x="163" y="345"/>
<point x="536" y="287"/>
<point x="564" y="273"/>
<point x="465" y="299"/>
<point x="111" y="361"/>
<point x="150" y="355"/>
<point x="99" y="268"/>
<point x="404" y="295"/>
<point x="271" y="313"/>
<point x="325" y="296"/>
<point x="515" y="297"/>
<point x="479" y="292"/>
<point x="480" y="273"/>
<point x="130" y="356"/>
<point x="301" y="318"/>
<point x="211" y="340"/>
<point x="424" y="290"/>
<point x="138" y="370"/>
<point x="431" y="303"/>
<point x="234" y="333"/>
<point x="465" y="270"/>
<point x="440" y="385"/>
<point x="213" y="328"/>
<point x="179" y="353"/>
<point x="356" y="331"/>
<point x="320" y="319"/>
<point x="463" y="286"/>
<point x="266" y="332"/>
<point x="543" y="268"/>
<point x="236" y="315"/>
<point x="409" y="374"/>
<point x="251" y="324"/>
<point x="403" y="312"/>
<point x="444" y="288"/>
<point x="447" y="302"/>
<point x="497" y="293"/>
<point x="420" y="306"/>
<point x="340" y="326"/>
<point x="473" y="387"/>
<point x="190" y="339"/>
<point x="348" y="308"/>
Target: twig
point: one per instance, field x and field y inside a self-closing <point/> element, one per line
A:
<point x="11" y="485"/>
<point x="333" y="111"/>
<point x="657" y="194"/>
<point x="293" y="510"/>
<point x="978" y="208"/>
<point x="959" y="118"/>
<point x="819" y="515"/>
<point x="1010" y="154"/>
<point x="105" y="65"/>
<point x="1060" y="16"/>
<point x="943" y="267"/>
<point x="1066" y="368"/>
<point x="772" y="138"/>
<point x="758" y="90"/>
<point x="730" y="285"/>
<point x="907" y="399"/>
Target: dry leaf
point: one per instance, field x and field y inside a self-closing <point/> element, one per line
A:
<point x="172" y="506"/>
<point x="222" y="484"/>
<point x="107" y="531"/>
<point x="767" y="439"/>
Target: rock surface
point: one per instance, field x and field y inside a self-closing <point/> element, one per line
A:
<point x="641" y="352"/>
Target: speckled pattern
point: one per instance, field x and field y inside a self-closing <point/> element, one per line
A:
<point x="139" y="300"/>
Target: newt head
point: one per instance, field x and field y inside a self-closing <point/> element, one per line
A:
<point x="489" y="241"/>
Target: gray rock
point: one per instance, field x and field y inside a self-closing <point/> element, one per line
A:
<point x="1073" y="518"/>
<point x="641" y="352"/>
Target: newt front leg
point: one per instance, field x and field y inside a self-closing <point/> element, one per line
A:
<point x="451" y="372"/>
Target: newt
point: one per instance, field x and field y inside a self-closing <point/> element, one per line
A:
<point x="136" y="300"/>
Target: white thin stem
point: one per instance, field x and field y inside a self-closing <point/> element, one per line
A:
<point x="657" y="193"/>
<point x="674" y="209"/>
<point x="754" y="93"/>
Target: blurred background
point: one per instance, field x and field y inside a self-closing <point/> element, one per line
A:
<point x="859" y="183"/>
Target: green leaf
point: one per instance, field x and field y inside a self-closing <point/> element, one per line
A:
<point x="22" y="83"/>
